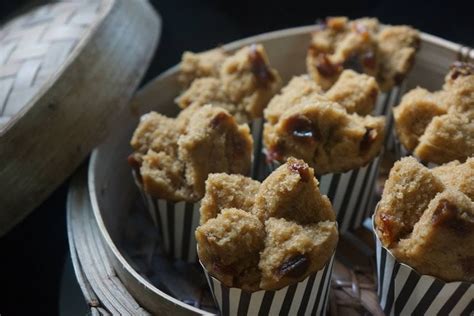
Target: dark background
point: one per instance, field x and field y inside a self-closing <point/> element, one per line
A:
<point x="33" y="254"/>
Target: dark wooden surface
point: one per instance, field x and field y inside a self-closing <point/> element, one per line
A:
<point x="32" y="255"/>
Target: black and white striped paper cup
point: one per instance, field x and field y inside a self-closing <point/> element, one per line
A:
<point x="256" y="129"/>
<point x="176" y="223"/>
<point x="403" y="291"/>
<point x="351" y="193"/>
<point x="386" y="101"/>
<point x="308" y="297"/>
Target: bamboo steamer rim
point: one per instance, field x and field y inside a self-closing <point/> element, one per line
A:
<point x="149" y="89"/>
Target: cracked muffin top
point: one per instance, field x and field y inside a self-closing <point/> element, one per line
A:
<point x="266" y="235"/>
<point x="384" y="52"/>
<point x="426" y="218"/>
<point x="438" y="126"/>
<point x="241" y="83"/>
<point x="173" y="156"/>
<point x="324" y="129"/>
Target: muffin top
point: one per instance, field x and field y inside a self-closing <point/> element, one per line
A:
<point x="241" y="83"/>
<point x="266" y="235"/>
<point x="324" y="129"/>
<point x="426" y="218"/>
<point x="439" y="126"/>
<point x="173" y="156"/>
<point x="198" y="65"/>
<point x="384" y="52"/>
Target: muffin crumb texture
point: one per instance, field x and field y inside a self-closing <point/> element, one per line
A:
<point x="426" y="218"/>
<point x="173" y="157"/>
<point x="384" y="52"/>
<point x="438" y="126"/>
<point x="329" y="130"/>
<point x="242" y="83"/>
<point x="266" y="235"/>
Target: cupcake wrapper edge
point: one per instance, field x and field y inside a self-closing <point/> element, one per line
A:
<point x="308" y="297"/>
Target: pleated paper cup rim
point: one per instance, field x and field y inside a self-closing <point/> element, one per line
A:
<point x="411" y="292"/>
<point x="176" y="222"/>
<point x="302" y="298"/>
<point x="351" y="193"/>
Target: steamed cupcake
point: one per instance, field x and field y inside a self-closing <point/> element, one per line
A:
<point x="424" y="226"/>
<point x="173" y="157"/>
<point x="266" y="236"/>
<point x="438" y="127"/>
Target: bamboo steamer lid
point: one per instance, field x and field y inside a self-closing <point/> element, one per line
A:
<point x="66" y="71"/>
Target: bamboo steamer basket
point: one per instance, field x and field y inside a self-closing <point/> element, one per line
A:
<point x="101" y="199"/>
<point x="67" y="70"/>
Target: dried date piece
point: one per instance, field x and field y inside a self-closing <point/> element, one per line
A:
<point x="260" y="68"/>
<point x="295" y="266"/>
<point x="461" y="69"/>
<point x="368" y="139"/>
<point x="301" y="128"/>
<point x="300" y="167"/>
<point x="446" y="215"/>
<point x="325" y="67"/>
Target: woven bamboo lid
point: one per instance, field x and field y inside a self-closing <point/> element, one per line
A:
<point x="66" y="70"/>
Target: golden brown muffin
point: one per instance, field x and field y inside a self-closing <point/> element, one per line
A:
<point x="244" y="85"/>
<point x="439" y="127"/>
<point x="386" y="53"/>
<point x="293" y="242"/>
<point x="427" y="221"/>
<point x="174" y="157"/>
<point x="324" y="135"/>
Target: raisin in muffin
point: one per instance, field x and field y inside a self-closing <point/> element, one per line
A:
<point x="241" y="83"/>
<point x="426" y="218"/>
<point x="265" y="235"/>
<point x="438" y="126"/>
<point x="324" y="129"/>
<point x="173" y="156"/>
<point x="384" y="52"/>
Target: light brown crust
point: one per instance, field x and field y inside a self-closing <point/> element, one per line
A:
<point x="324" y="135"/>
<point x="243" y="84"/>
<point x="175" y="156"/>
<point x="386" y="53"/>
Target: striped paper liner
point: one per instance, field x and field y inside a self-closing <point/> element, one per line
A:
<point x="351" y="193"/>
<point x="256" y="129"/>
<point x="176" y="223"/>
<point x="386" y="101"/>
<point x="308" y="297"/>
<point x="403" y="291"/>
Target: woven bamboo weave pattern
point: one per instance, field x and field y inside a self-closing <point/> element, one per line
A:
<point x="33" y="48"/>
